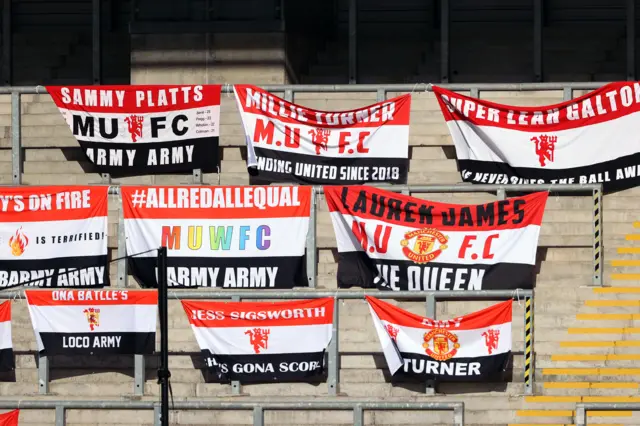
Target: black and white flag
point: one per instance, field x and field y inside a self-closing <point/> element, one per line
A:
<point x="397" y="242"/>
<point x="291" y="143"/>
<point x="468" y="348"/>
<point x="587" y="140"/>
<point x="94" y="322"/>
<point x="263" y="341"/>
<point x="138" y="130"/>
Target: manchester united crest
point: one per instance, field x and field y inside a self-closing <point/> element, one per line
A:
<point x="440" y="344"/>
<point x="93" y="317"/>
<point x="420" y="245"/>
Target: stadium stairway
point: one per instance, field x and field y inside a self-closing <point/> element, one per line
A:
<point x="597" y="360"/>
<point x="563" y="296"/>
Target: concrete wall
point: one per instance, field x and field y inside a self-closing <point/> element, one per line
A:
<point x="208" y="58"/>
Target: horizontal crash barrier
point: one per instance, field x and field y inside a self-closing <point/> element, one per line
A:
<point x="583" y="409"/>
<point x="593" y="190"/>
<point x="258" y="408"/>
<point x="333" y="351"/>
<point x="289" y="92"/>
<point x="381" y="94"/>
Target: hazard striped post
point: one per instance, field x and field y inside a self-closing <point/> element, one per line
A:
<point x="597" y="237"/>
<point x="528" y="346"/>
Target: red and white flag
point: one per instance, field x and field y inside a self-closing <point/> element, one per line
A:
<point x="137" y="130"/>
<point x="590" y="139"/>
<point x="9" y="418"/>
<point x="94" y="322"/>
<point x="7" y="361"/>
<point x="53" y="236"/>
<point x="397" y="242"/>
<point x="473" y="347"/>
<point x="263" y="341"/>
<point x="291" y="143"/>
<point x="218" y="236"/>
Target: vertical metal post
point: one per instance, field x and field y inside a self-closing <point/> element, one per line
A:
<point x="631" y="40"/>
<point x="97" y="41"/>
<point x="458" y="416"/>
<point x="139" y="364"/>
<point x="431" y="305"/>
<point x="157" y="414"/>
<point x="567" y="93"/>
<point x="139" y="374"/>
<point x="236" y="387"/>
<point x="333" y="376"/>
<point x="16" y="142"/>
<point x="537" y="40"/>
<point x="288" y="95"/>
<point x="529" y="368"/>
<point x="474" y="93"/>
<point x="581" y="416"/>
<point x="444" y="41"/>
<point x="312" y="250"/>
<point x="7" y="43"/>
<point x="501" y="194"/>
<point x="122" y="267"/>
<point x="43" y="374"/>
<point x="358" y="415"/>
<point x="430" y="387"/>
<point x="597" y="237"/>
<point x="60" y="415"/>
<point x="197" y="176"/>
<point x="258" y="416"/>
<point x="163" y="308"/>
<point x="353" y="41"/>
<point x="381" y="95"/>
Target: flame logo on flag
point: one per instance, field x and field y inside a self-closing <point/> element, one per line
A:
<point x="18" y="242"/>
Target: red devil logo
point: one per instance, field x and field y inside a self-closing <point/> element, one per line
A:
<point x="134" y="126"/>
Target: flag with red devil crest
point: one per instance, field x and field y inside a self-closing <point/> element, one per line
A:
<point x="472" y="347"/>
<point x="292" y="143"/>
<point x="587" y="140"/>
<point x="142" y="130"/>
<point x="262" y="341"/>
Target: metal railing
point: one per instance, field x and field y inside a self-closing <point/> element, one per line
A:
<point x="501" y="190"/>
<point x="381" y="94"/>
<point x="257" y="408"/>
<point x="333" y="351"/>
<point x="288" y="92"/>
<point x="583" y="409"/>
<point x="595" y="191"/>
